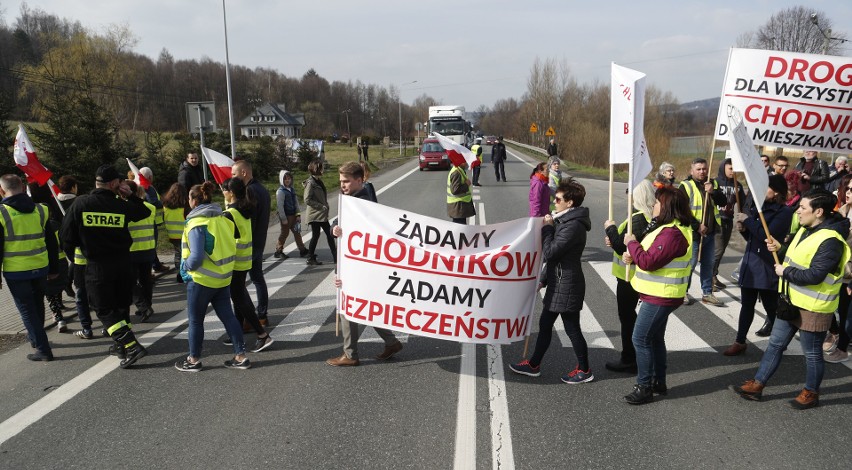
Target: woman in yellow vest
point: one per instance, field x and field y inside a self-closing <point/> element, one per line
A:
<point x="143" y="251"/>
<point x="175" y="208"/>
<point x="626" y="296"/>
<point x="239" y="210"/>
<point x="662" y="262"/>
<point x="208" y="251"/>
<point x="813" y="270"/>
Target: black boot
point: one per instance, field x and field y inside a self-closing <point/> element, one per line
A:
<point x="621" y="365"/>
<point x="312" y="261"/>
<point x="765" y="330"/>
<point x="659" y="387"/>
<point x="133" y="351"/>
<point x="640" y="395"/>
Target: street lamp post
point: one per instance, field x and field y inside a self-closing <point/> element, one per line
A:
<point x="399" y="100"/>
<point x="826" y="34"/>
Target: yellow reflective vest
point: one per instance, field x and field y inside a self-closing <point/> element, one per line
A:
<point x="477" y="150"/>
<point x="174" y="220"/>
<point x="218" y="266"/>
<point x="159" y="218"/>
<point x="142" y="232"/>
<point x="671" y="280"/>
<point x="619" y="269"/>
<point x="24" y="248"/>
<point x="825" y="296"/>
<point x="696" y="200"/>
<point x="451" y="198"/>
<point x="244" y="247"/>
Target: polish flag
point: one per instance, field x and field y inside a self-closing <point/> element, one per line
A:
<point x="138" y="177"/>
<point x="27" y="161"/>
<point x="220" y="165"/>
<point x="457" y="153"/>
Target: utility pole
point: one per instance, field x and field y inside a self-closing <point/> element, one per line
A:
<point x="348" y="132"/>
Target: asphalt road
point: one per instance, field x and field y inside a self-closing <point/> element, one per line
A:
<point x="438" y="404"/>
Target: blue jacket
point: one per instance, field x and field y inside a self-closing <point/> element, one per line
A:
<point x="757" y="268"/>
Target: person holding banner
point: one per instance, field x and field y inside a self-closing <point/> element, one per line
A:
<point x="626" y="296"/>
<point x="814" y="268"/>
<point x="563" y="239"/>
<point x="700" y="190"/>
<point x="352" y="184"/>
<point x="663" y="265"/>
<point x="757" y="276"/>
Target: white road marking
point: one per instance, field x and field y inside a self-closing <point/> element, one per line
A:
<point x="502" y="454"/>
<point x="465" y="456"/>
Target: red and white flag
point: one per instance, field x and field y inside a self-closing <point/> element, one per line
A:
<point x="137" y="176"/>
<point x="27" y="161"/>
<point x="220" y="165"/>
<point x="456" y="152"/>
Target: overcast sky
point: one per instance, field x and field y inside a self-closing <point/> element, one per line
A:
<point x="467" y="52"/>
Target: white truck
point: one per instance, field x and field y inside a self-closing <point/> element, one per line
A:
<point x="450" y="121"/>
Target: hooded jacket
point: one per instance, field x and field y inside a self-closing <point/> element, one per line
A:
<point x="562" y="249"/>
<point x="285" y="198"/>
<point x="199" y="236"/>
<point x="757" y="268"/>
<point x="539" y="196"/>
<point x="189" y="176"/>
<point x="726" y="185"/>
<point x="23" y="203"/>
<point x="316" y="200"/>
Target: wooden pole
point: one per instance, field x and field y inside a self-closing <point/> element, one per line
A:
<point x="629" y="228"/>
<point x="766" y="230"/>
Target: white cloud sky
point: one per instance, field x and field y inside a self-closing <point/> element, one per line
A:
<point x="469" y="52"/>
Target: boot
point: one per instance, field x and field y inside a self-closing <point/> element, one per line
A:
<point x="640" y="395"/>
<point x="133" y="351"/>
<point x="806" y="399"/>
<point x="735" y="349"/>
<point x="277" y="254"/>
<point x="659" y="387"/>
<point x="312" y="261"/>
<point x="765" y="330"/>
<point x="750" y="390"/>
<point x="303" y="252"/>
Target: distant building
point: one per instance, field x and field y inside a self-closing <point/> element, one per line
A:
<point x="272" y="120"/>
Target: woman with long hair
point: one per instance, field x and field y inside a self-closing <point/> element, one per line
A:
<point x="316" y="213"/>
<point x="662" y="262"/>
<point x="175" y="209"/>
<point x="208" y="249"/>
<point x="813" y="269"/>
<point x="539" y="191"/>
<point x="626" y="296"/>
<point x="240" y="210"/>
<point x="836" y="344"/>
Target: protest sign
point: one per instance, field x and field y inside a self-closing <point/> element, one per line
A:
<point x="789" y="99"/>
<point x="424" y="276"/>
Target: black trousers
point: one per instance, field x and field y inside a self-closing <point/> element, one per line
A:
<point x="499" y="171"/>
<point x="748" y="299"/>
<point x="243" y="306"/>
<point x="571" y="321"/>
<point x="626" y="298"/>
<point x="315" y="230"/>
<point x="109" y="286"/>
<point x="143" y="290"/>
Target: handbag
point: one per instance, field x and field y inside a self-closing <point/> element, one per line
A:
<point x="786" y="310"/>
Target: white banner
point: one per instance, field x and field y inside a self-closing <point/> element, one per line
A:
<point x="789" y="99"/>
<point x="745" y="156"/>
<point x="627" y="123"/>
<point x="430" y="277"/>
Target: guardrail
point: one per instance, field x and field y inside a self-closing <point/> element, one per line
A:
<point x="528" y="147"/>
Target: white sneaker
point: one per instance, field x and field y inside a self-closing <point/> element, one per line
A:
<point x="837" y="356"/>
<point x="830" y="343"/>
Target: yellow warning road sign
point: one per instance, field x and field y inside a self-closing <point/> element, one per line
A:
<point x="550" y="132"/>
<point x="533" y="127"/>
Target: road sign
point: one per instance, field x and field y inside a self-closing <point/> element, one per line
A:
<point x="550" y="132"/>
<point x="201" y="116"/>
<point x="533" y="128"/>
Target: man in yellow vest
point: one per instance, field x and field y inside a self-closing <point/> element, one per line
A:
<point x="29" y="254"/>
<point x="152" y="197"/>
<point x="142" y="255"/>
<point x="97" y="223"/>
<point x="476" y="148"/>
<point x="459" y="197"/>
<point x="699" y="189"/>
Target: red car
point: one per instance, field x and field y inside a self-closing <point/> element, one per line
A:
<point x="490" y="140"/>
<point x="432" y="155"/>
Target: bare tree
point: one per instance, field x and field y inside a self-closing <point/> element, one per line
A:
<point x="795" y="29"/>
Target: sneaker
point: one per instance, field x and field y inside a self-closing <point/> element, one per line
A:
<point x="277" y="254"/>
<point x="39" y="356"/>
<point x="688" y="300"/>
<point x="640" y="395"/>
<point x="304" y="252"/>
<point x="179" y="278"/>
<point x="84" y="334"/>
<point x="62" y="326"/>
<point x="161" y="269"/>
<point x="578" y="376"/>
<point x="262" y="343"/>
<point x="235" y="364"/>
<point x="830" y="343"/>
<point x="718" y="285"/>
<point x="837" y="356"/>
<point x="659" y="388"/>
<point x="312" y="261"/>
<point x="186" y="366"/>
<point x="711" y="299"/>
<point x="227" y="341"/>
<point x="284" y="257"/>
<point x="735" y="275"/>
<point x="525" y="368"/>
<point x="145" y="314"/>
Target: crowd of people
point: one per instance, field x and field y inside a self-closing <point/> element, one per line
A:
<point x="797" y="243"/>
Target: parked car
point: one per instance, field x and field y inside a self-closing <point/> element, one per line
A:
<point x="491" y="140"/>
<point x="432" y="155"/>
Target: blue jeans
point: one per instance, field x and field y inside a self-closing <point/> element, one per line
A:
<point x="782" y="334"/>
<point x="198" y="297"/>
<point x="649" y="340"/>
<point x="707" y="259"/>
<point x="29" y="298"/>
<point x="256" y="275"/>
